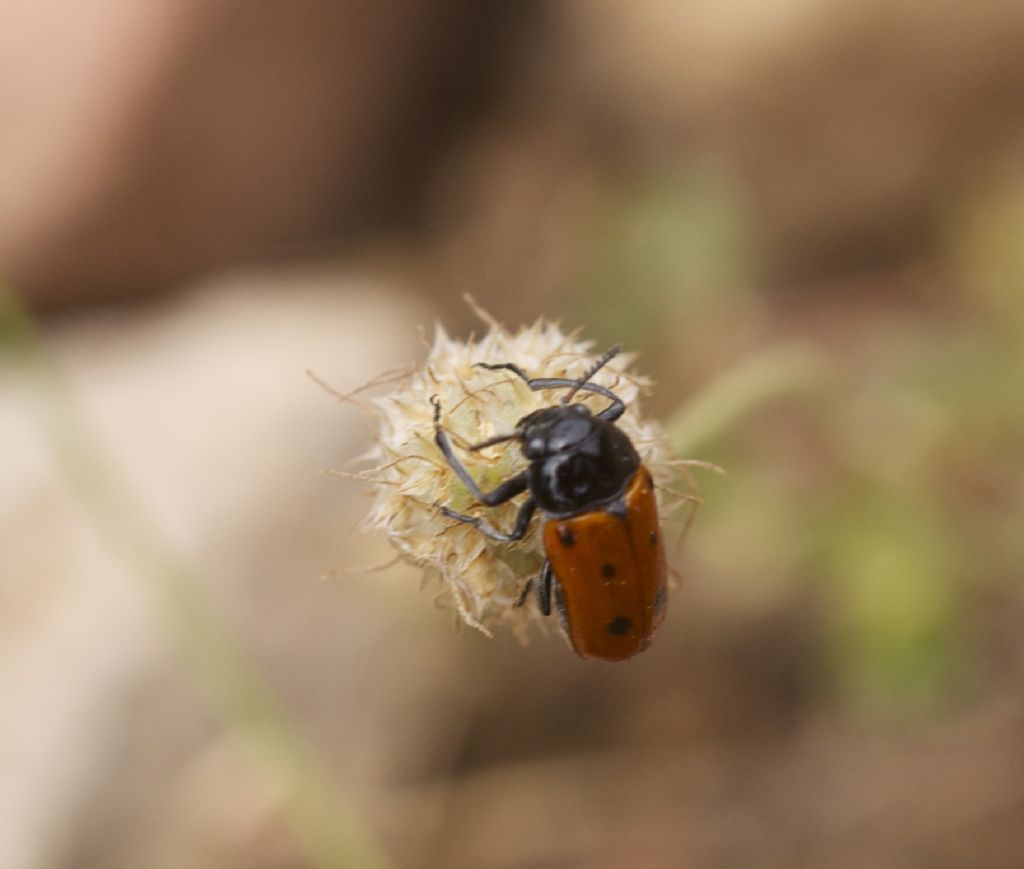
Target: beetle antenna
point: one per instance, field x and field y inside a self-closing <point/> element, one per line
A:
<point x="597" y="366"/>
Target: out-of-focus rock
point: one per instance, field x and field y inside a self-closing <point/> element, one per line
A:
<point x="146" y="142"/>
<point x="203" y="405"/>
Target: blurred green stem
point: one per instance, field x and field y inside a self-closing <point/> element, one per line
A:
<point x="788" y="369"/>
<point x="329" y="830"/>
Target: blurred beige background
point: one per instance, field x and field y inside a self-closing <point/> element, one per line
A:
<point x="805" y="216"/>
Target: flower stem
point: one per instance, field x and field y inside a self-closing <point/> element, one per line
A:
<point x="787" y="369"/>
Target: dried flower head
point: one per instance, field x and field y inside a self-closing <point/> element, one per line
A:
<point x="411" y="479"/>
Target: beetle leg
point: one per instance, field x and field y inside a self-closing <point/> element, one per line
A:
<point x="610" y="413"/>
<point x="500" y="494"/>
<point x="507" y="366"/>
<point x="484" y="527"/>
<point x="614" y="410"/>
<point x="563" y="616"/>
<point x="544" y="589"/>
<point x="543" y="581"/>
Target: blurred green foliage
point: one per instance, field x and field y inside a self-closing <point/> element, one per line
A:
<point x="672" y="248"/>
<point x="876" y="468"/>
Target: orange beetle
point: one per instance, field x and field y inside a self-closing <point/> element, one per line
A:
<point x="605" y="561"/>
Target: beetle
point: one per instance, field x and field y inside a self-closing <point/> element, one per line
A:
<point x="605" y="562"/>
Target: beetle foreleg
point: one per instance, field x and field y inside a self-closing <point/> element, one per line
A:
<point x="484" y="527"/>
<point x="610" y="413"/>
<point x="504" y="366"/>
<point x="500" y="494"/>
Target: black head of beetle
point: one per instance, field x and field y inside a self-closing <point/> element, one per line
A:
<point x="578" y="462"/>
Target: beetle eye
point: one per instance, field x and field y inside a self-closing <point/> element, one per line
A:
<point x="533" y="447"/>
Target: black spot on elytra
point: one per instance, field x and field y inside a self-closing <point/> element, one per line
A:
<point x="607" y="570"/>
<point x="619" y="625"/>
<point x="654" y="537"/>
<point x="565" y="534"/>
